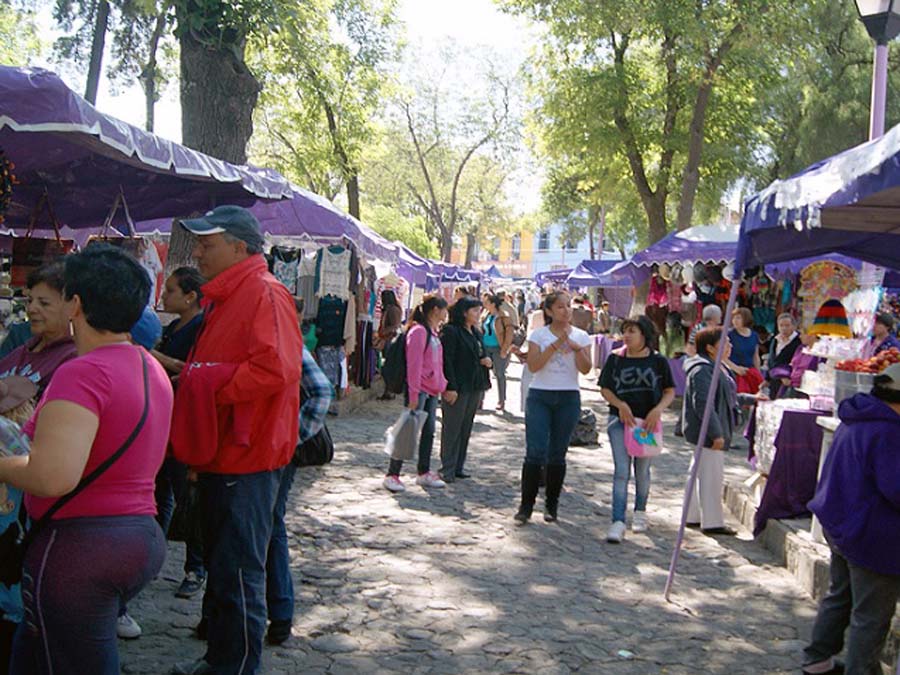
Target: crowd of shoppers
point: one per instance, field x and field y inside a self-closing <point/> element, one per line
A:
<point x="124" y="426"/>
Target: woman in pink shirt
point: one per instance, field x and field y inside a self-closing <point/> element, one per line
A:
<point x="425" y="383"/>
<point x="98" y="438"/>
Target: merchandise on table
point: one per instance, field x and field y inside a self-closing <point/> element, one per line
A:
<point x="769" y="415"/>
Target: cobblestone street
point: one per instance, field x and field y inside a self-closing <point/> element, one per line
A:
<point x="442" y="581"/>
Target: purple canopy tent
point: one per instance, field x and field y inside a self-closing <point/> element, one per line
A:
<point x="494" y="272"/>
<point x="595" y="273"/>
<point x="82" y="158"/>
<point x="701" y="243"/>
<point x="416" y="269"/>
<point x="452" y="272"/>
<point x="307" y="216"/>
<point x="847" y="204"/>
<point x="552" y="276"/>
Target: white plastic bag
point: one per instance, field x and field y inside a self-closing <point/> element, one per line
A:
<point x="401" y="441"/>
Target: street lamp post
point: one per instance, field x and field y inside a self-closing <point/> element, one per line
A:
<point x="882" y="21"/>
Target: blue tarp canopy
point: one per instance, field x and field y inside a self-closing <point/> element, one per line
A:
<point x="848" y="204"/>
<point x="596" y="273"/>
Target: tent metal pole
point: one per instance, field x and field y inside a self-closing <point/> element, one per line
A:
<point x="704" y="426"/>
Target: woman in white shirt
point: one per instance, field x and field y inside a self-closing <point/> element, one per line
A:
<point x="556" y="354"/>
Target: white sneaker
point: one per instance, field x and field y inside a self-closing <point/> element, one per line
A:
<point x="640" y="522"/>
<point x="393" y="484"/>
<point x="430" y="479"/>
<point x="127" y="628"/>
<point x="616" y="532"/>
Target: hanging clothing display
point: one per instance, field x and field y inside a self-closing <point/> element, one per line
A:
<point x="350" y="325"/>
<point x="391" y="282"/>
<point x="330" y="321"/>
<point x="659" y="292"/>
<point x="330" y="360"/>
<point x="306" y="286"/>
<point x="333" y="272"/>
<point x="285" y="266"/>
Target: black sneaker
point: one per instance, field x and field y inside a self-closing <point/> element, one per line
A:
<point x="278" y="632"/>
<point x="193" y="583"/>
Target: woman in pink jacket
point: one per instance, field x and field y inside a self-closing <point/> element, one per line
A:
<point x="425" y="383"/>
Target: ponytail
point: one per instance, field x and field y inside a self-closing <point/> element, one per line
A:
<point x="420" y="314"/>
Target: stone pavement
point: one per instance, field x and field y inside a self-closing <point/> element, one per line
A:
<point x="442" y="581"/>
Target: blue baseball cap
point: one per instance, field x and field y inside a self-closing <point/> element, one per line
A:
<point x="234" y="220"/>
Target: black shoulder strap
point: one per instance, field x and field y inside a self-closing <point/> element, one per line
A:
<point x="108" y="462"/>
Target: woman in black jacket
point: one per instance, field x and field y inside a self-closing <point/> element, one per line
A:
<point x="466" y="369"/>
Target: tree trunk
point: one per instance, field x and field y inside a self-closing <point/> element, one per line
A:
<point x="592" y="220"/>
<point x="656" y="218"/>
<point x="101" y="21"/>
<point x="353" y="196"/>
<point x="446" y="244"/>
<point x="150" y="70"/>
<point x="690" y="179"/>
<point x="470" y="249"/>
<point x="218" y="95"/>
<point x="602" y="229"/>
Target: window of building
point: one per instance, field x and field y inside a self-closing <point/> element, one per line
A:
<point x="544" y="240"/>
<point x="516" y="247"/>
<point x="571" y="245"/>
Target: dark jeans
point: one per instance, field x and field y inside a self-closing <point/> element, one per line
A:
<point x="426" y="441"/>
<point x="171" y="487"/>
<point x="7" y="632"/>
<point x="456" y="429"/>
<point x="863" y="600"/>
<point x="550" y="419"/>
<point x="499" y="367"/>
<point x="77" y="573"/>
<point x="279" y="585"/>
<point x="238" y="515"/>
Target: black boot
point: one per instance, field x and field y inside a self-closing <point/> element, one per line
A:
<point x="556" y="474"/>
<point x="531" y="474"/>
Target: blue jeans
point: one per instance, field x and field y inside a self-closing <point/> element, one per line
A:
<point x="279" y="585"/>
<point x="426" y="441"/>
<point x="622" y="473"/>
<point x="239" y="511"/>
<point x="550" y="419"/>
<point x="171" y="486"/>
<point x="78" y="572"/>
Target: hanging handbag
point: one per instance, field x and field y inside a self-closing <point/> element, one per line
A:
<point x="13" y="549"/>
<point x="641" y="442"/>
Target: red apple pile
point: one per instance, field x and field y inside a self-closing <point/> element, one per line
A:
<point x="872" y="365"/>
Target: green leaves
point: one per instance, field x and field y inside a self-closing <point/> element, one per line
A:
<point x="669" y="101"/>
<point x="19" y="38"/>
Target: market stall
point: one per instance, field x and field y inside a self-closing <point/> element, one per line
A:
<point x="552" y="277"/>
<point x="848" y="204"/>
<point x="70" y="174"/>
<point x="65" y="148"/>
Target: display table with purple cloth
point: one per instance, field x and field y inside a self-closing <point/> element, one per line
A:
<point x="604" y="344"/>
<point x="792" y="476"/>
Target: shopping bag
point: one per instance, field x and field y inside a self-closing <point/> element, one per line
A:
<point x="641" y="442"/>
<point x="401" y="441"/>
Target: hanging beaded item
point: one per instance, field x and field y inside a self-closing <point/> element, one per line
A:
<point x="7" y="181"/>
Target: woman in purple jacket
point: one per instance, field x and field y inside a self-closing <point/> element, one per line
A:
<point x="858" y="503"/>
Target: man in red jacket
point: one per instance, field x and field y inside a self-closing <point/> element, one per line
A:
<point x="250" y="328"/>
